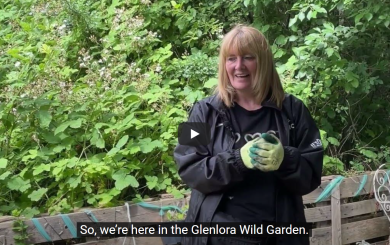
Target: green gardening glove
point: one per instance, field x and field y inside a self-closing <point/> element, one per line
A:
<point x="245" y="153"/>
<point x="267" y="153"/>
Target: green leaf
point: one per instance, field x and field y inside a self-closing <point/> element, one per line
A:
<point x="100" y="143"/>
<point x="61" y="128"/>
<point x="358" y="17"/>
<point x="18" y="184"/>
<point x="76" y="123"/>
<point x="41" y="168"/>
<point x="329" y="25"/>
<point x="293" y="21"/>
<point x="212" y="82"/>
<point x="3" y="163"/>
<point x="122" y="141"/>
<point x="369" y="154"/>
<point x="5" y="175"/>
<point x="74" y="181"/>
<point x="301" y="16"/>
<point x="37" y="195"/>
<point x="329" y="51"/>
<point x="333" y="141"/>
<point x="310" y="14"/>
<point x="44" y="118"/>
<point x="147" y="145"/>
<point x="113" y="151"/>
<point x="122" y="183"/>
<point x="97" y="140"/>
<point x="124" y="180"/>
<point x="30" y="212"/>
<point x="281" y="40"/>
<point x="292" y="38"/>
<point x="368" y="16"/>
<point x="134" y="149"/>
<point x="246" y="2"/>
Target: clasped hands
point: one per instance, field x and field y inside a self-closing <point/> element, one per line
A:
<point x="265" y="153"/>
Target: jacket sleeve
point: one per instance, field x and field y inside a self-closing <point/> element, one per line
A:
<point x="204" y="172"/>
<point x="301" y="169"/>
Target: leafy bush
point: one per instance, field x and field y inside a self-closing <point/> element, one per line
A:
<point x="92" y="92"/>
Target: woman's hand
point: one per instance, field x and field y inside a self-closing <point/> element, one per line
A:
<point x="245" y="153"/>
<point x="267" y="153"/>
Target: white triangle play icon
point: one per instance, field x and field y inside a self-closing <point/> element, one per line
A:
<point x="194" y="134"/>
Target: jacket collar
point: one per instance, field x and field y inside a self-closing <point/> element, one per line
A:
<point x="216" y="103"/>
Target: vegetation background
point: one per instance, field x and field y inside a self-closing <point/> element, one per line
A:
<point x="92" y="91"/>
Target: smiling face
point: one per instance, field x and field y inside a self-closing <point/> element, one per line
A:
<point x="246" y="68"/>
<point x="241" y="70"/>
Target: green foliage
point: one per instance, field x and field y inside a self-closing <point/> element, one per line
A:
<point x="92" y="92"/>
<point x="20" y="228"/>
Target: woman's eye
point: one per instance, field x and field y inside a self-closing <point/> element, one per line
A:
<point x="231" y="59"/>
<point x="249" y="57"/>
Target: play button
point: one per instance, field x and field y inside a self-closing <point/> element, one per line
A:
<point x="194" y="134"/>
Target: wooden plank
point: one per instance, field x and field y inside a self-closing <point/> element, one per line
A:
<point x="321" y="236"/>
<point x="353" y="232"/>
<point x="336" y="217"/>
<point x="57" y="230"/>
<point x="381" y="243"/>
<point x="318" y="214"/>
<point x="359" y="208"/>
<point x="364" y="230"/>
<point x="349" y="186"/>
<point x="6" y="218"/>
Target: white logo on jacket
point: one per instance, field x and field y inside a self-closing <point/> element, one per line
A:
<point x="316" y="143"/>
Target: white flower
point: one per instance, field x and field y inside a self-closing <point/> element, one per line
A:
<point x="158" y="68"/>
<point x="137" y="70"/>
<point x="17" y="64"/>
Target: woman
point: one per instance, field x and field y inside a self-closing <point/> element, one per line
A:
<point x="244" y="174"/>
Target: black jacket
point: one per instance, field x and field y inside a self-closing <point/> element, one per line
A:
<point x="212" y="169"/>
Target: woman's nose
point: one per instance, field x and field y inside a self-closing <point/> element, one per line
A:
<point x="240" y="63"/>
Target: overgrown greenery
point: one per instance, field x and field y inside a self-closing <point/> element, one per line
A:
<point x="92" y="91"/>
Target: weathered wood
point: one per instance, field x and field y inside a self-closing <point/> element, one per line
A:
<point x="57" y="230"/>
<point x="348" y="187"/>
<point x="2" y="240"/>
<point x="321" y="236"/>
<point x="359" y="208"/>
<point x="336" y="217"/>
<point x="6" y="218"/>
<point x="318" y="214"/>
<point x="364" y="230"/>
<point x="381" y="243"/>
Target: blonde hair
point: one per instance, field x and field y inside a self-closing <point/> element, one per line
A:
<point x="248" y="40"/>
